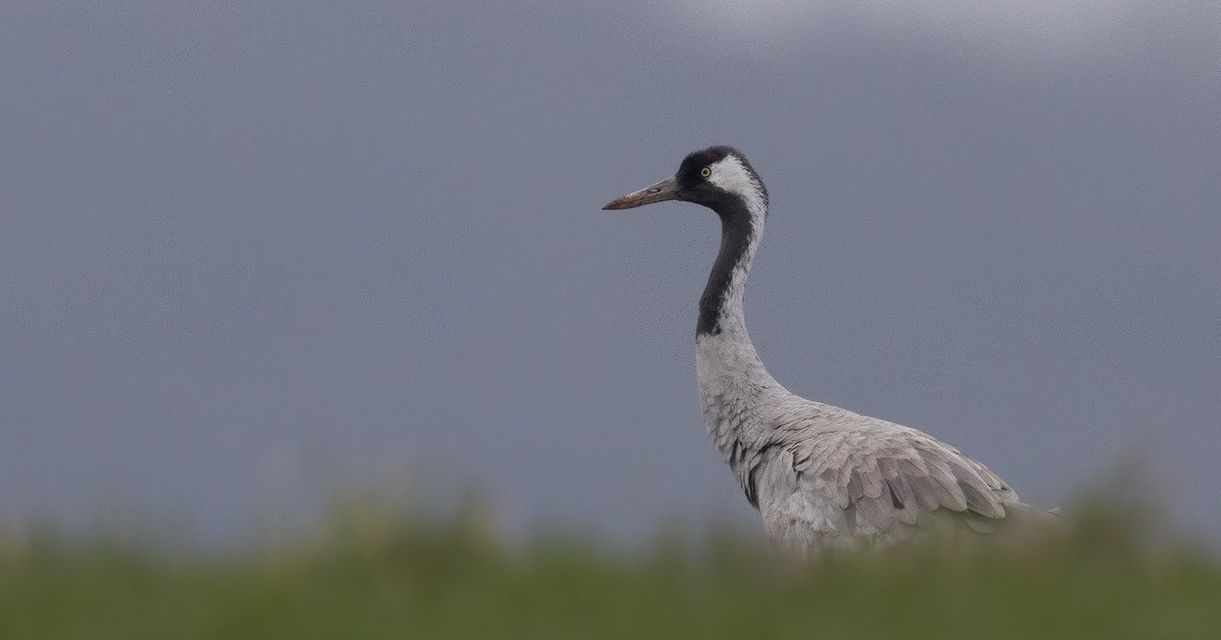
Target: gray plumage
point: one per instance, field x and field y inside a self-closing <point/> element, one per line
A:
<point x="820" y="475"/>
<point x="824" y="476"/>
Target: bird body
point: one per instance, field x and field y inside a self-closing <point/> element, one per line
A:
<point x="820" y="475"/>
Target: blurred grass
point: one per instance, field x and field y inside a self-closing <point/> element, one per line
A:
<point x="373" y="574"/>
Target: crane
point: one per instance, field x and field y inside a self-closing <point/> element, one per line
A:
<point x="820" y="476"/>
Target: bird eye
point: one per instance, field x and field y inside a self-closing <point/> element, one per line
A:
<point x="705" y="172"/>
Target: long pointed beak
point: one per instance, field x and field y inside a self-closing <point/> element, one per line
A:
<point x="665" y="190"/>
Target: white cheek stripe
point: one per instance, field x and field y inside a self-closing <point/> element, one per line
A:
<point x="729" y="174"/>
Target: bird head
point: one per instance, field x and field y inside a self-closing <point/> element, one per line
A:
<point x="717" y="177"/>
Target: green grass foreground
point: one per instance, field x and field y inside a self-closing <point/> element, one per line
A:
<point x="392" y="578"/>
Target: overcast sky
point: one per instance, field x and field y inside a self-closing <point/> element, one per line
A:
<point x="250" y="256"/>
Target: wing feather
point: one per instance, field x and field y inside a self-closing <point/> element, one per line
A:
<point x="882" y="480"/>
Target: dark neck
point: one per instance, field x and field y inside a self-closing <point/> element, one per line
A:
<point x="738" y="238"/>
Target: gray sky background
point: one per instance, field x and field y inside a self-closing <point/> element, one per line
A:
<point x="252" y="254"/>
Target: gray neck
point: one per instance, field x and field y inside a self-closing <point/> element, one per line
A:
<point x="737" y="394"/>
